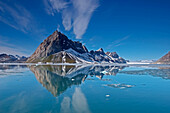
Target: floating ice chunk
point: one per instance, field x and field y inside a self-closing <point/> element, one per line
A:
<point x="121" y="86"/>
<point x="107" y="95"/>
<point x="104" y="72"/>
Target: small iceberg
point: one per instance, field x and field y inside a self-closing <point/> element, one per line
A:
<point x="121" y="86"/>
<point x="104" y="72"/>
<point x="107" y="95"/>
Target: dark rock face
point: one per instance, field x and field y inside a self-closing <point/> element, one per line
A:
<point x="97" y="52"/>
<point x="164" y="60"/>
<point x="55" y="43"/>
<point x="100" y="51"/>
<point x="85" y="49"/>
<point x="4" y="58"/>
<point x="99" y="55"/>
<point x="112" y="54"/>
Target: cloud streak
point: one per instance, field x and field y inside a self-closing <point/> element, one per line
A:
<point x="12" y="51"/>
<point x="15" y="16"/>
<point x="117" y="43"/>
<point x="8" y="48"/>
<point x="76" y="14"/>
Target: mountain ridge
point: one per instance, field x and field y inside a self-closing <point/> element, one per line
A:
<point x="164" y="59"/>
<point x="5" y="58"/>
<point x="57" y="48"/>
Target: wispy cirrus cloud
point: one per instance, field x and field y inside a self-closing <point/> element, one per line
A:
<point x="118" y="42"/>
<point x="53" y="6"/>
<point x="8" y="48"/>
<point x="12" y="51"/>
<point x="16" y="16"/>
<point x="76" y="14"/>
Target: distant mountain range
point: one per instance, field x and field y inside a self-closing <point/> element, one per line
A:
<point x="57" y="48"/>
<point x="4" y="58"/>
<point x="164" y="60"/>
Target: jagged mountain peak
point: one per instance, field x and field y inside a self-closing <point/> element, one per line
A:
<point x="55" y="43"/>
<point x="100" y="49"/>
<point x="112" y="54"/>
<point x="84" y="47"/>
<point x="58" y="48"/>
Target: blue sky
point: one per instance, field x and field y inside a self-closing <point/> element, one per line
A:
<point x="135" y="29"/>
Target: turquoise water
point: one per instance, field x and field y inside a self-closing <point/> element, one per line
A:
<point x="84" y="89"/>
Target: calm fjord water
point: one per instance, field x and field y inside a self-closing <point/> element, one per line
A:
<point x="84" y="89"/>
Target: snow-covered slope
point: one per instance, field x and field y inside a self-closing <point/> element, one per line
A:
<point x="71" y="56"/>
<point x="68" y="56"/>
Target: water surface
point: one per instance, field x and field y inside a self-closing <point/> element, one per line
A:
<point x="84" y="89"/>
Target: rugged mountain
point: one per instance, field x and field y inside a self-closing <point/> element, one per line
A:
<point x="112" y="54"/>
<point x="55" y="43"/>
<point x="68" y="56"/>
<point x="58" y="48"/>
<point x="115" y="57"/>
<point x="108" y="57"/>
<point x="98" y="52"/>
<point x="164" y="60"/>
<point x="4" y="58"/>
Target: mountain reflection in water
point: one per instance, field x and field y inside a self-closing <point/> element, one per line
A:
<point x="56" y="79"/>
<point x="6" y="70"/>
